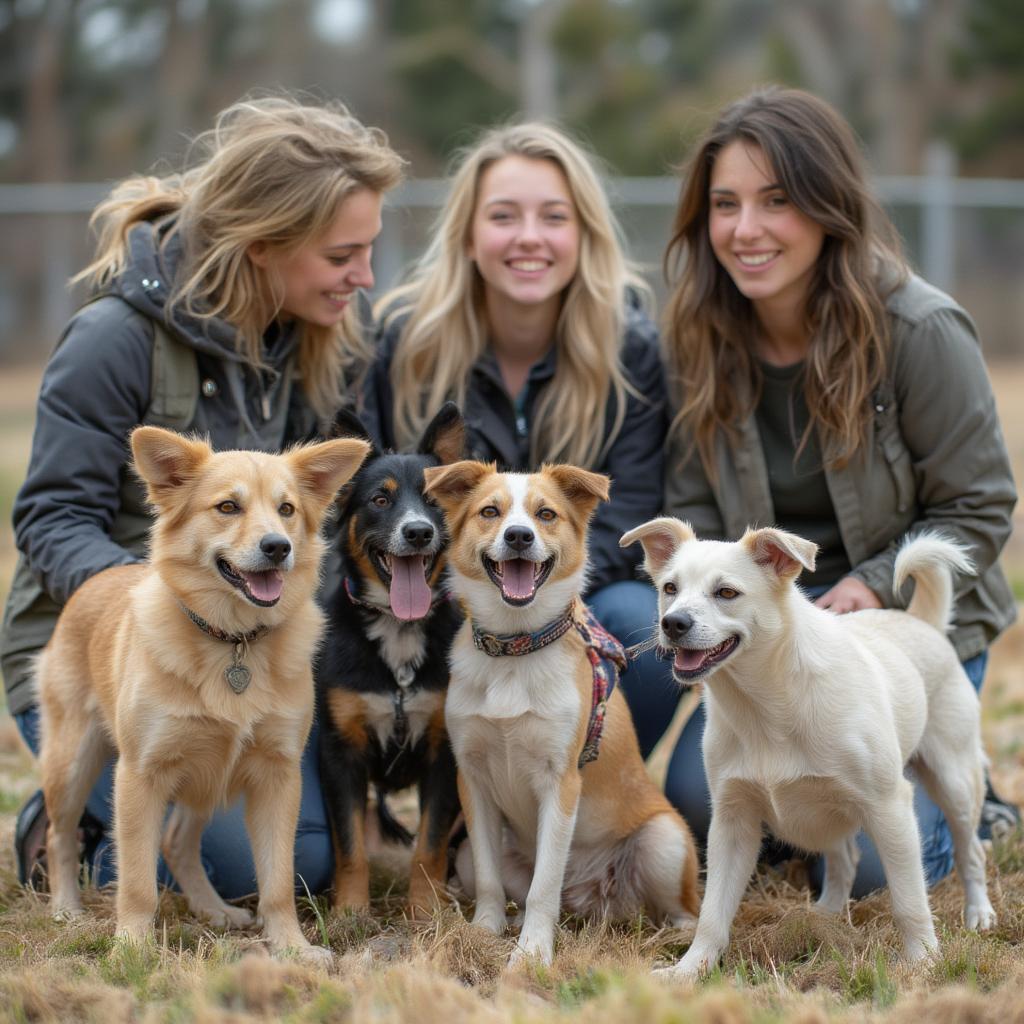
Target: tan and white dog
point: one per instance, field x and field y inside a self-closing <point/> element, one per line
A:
<point x="812" y="716"/>
<point x="195" y="669"/>
<point x="599" y="839"/>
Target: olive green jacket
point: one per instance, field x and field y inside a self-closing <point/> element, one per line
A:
<point x="934" y="458"/>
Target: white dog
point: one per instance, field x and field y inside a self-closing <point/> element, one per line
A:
<point x="812" y="716"/>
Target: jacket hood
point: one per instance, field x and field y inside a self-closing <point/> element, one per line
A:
<point x="155" y="255"/>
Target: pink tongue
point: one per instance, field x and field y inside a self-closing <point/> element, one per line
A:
<point x="409" y="595"/>
<point x="265" y="586"/>
<point x="687" y="661"/>
<point x="517" y="578"/>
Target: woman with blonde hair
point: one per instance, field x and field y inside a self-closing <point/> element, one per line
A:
<point x="525" y="312"/>
<point x="819" y="385"/>
<point x="224" y="301"/>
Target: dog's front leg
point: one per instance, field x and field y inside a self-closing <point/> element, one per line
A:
<point x="139" y="804"/>
<point x="556" y="820"/>
<point x="893" y="827"/>
<point x="344" y="781"/>
<point x="181" y="849"/>
<point x="483" y="822"/>
<point x="840" y="871"/>
<point x="439" y="807"/>
<point x="734" y="839"/>
<point x="273" y="787"/>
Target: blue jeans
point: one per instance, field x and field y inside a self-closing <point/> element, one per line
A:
<point x="629" y="610"/>
<point x="225" y="844"/>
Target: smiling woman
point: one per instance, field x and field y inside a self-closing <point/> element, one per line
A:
<point x="525" y="311"/>
<point x="821" y="386"/>
<point x="223" y="305"/>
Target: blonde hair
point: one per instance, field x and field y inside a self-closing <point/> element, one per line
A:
<point x="271" y="170"/>
<point x="446" y="330"/>
<point x="713" y="374"/>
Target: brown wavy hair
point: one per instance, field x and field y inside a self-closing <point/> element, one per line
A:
<point x="446" y="329"/>
<point x="714" y="377"/>
<point x="272" y="169"/>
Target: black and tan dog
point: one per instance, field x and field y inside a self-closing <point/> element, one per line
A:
<point x="382" y="673"/>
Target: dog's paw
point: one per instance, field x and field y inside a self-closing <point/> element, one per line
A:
<point x="66" y="911"/>
<point x="980" y="918"/>
<point x="490" y="918"/>
<point x="313" y="956"/>
<point x="531" y="949"/>
<point x="693" y="966"/>
<point x="676" y="973"/>
<point x="230" y="917"/>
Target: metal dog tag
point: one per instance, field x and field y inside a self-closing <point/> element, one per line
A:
<point x="237" y="675"/>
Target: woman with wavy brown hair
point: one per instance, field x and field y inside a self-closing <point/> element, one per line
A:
<point x="224" y="301"/>
<point x="819" y="385"/>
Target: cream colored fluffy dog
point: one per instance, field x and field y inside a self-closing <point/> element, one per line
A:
<point x="195" y="670"/>
<point x="811" y="718"/>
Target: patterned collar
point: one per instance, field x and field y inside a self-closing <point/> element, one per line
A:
<point x="517" y="644"/>
<point x="605" y="654"/>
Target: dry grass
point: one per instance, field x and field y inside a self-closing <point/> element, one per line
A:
<point x="785" y="963"/>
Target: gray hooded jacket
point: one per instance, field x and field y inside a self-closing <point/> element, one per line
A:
<point x="80" y="509"/>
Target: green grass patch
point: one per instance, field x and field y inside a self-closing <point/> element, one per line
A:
<point x="1012" y="709"/>
<point x="868" y="982"/>
<point x="85" y="944"/>
<point x="583" y="987"/>
<point x="131" y="965"/>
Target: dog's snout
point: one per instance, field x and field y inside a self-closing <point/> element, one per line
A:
<point x="419" y="533"/>
<point x="676" y="625"/>
<point x="518" y="538"/>
<point x="276" y="547"/>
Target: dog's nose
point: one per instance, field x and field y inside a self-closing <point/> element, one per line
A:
<point x="276" y="547"/>
<point x="419" y="533"/>
<point x="677" y="625"/>
<point x="518" y="538"/>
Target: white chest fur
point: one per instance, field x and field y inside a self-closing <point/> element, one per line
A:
<point x="512" y="721"/>
<point x="403" y="646"/>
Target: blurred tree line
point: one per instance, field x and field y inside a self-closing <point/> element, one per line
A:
<point x="89" y="88"/>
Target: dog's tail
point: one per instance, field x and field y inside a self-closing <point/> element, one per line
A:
<point x="390" y="827"/>
<point x="931" y="559"/>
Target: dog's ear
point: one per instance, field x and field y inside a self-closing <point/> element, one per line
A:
<point x="785" y="554"/>
<point x="323" y="468"/>
<point x="445" y="436"/>
<point x="449" y="485"/>
<point x="660" y="539"/>
<point x="348" y="424"/>
<point x="166" y="461"/>
<point x="583" y="488"/>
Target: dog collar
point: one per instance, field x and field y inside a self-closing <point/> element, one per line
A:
<point x="516" y="644"/>
<point x="237" y="673"/>
<point x="605" y="654"/>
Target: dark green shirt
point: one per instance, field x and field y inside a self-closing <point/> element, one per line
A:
<point x="798" y="486"/>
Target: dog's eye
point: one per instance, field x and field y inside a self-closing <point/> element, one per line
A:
<point x="547" y="514"/>
<point x="489" y="512"/>
<point x="286" y="509"/>
<point x="229" y="508"/>
<point x="670" y="588"/>
<point x="381" y="500"/>
<point x="727" y="593"/>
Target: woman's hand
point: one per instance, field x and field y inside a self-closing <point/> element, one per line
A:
<point x="848" y="595"/>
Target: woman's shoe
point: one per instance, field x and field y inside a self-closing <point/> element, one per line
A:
<point x="30" y="841"/>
